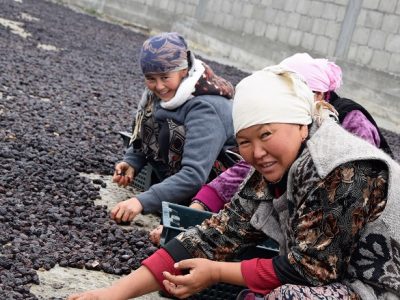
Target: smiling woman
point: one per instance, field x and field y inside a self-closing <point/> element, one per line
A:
<point x="182" y="103"/>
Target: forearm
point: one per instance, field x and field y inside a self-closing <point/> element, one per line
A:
<point x="227" y="183"/>
<point x="228" y="272"/>
<point x="218" y="238"/>
<point x="137" y="283"/>
<point x="135" y="159"/>
<point x="208" y="197"/>
<point x="259" y="275"/>
<point x="215" y="194"/>
<point x="177" y="188"/>
<point x="357" y="123"/>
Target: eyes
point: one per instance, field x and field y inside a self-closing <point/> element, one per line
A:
<point x="242" y="142"/>
<point x="263" y="136"/>
<point x="153" y="79"/>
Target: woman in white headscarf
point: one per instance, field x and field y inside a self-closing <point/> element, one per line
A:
<point x="326" y="197"/>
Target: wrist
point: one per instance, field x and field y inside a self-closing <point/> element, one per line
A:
<point x="197" y="204"/>
<point x="138" y="205"/>
<point x="111" y="293"/>
<point x="133" y="172"/>
<point x="216" y="273"/>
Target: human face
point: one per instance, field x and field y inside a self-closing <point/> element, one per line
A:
<point x="271" y="148"/>
<point x="165" y="85"/>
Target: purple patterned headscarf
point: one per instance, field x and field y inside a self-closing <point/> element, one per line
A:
<point x="162" y="53"/>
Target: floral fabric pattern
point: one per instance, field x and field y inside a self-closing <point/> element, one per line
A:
<point x="211" y="84"/>
<point x="335" y="291"/>
<point x="326" y="218"/>
<point x="324" y="229"/>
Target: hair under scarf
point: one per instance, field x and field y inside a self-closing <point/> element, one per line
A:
<point x="162" y="53"/>
<point x="320" y="74"/>
<point x="272" y="95"/>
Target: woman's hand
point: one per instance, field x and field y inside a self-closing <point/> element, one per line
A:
<point x="155" y="235"/>
<point x="123" y="174"/>
<point x="126" y="210"/>
<point x="197" y="206"/>
<point x="203" y="273"/>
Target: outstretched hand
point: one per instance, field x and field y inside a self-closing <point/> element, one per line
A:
<point x="202" y="274"/>
<point x="155" y="235"/>
<point x="126" y="210"/>
<point x="123" y="174"/>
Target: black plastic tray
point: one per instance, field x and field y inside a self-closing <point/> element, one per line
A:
<point x="177" y="218"/>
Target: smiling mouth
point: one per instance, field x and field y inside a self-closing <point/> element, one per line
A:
<point x="267" y="166"/>
<point x="163" y="94"/>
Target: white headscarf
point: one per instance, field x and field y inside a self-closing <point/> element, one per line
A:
<point x="272" y="95"/>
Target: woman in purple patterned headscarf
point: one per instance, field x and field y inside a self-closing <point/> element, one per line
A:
<point x="182" y="124"/>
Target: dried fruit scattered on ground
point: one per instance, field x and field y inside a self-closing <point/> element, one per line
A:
<point x="68" y="84"/>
